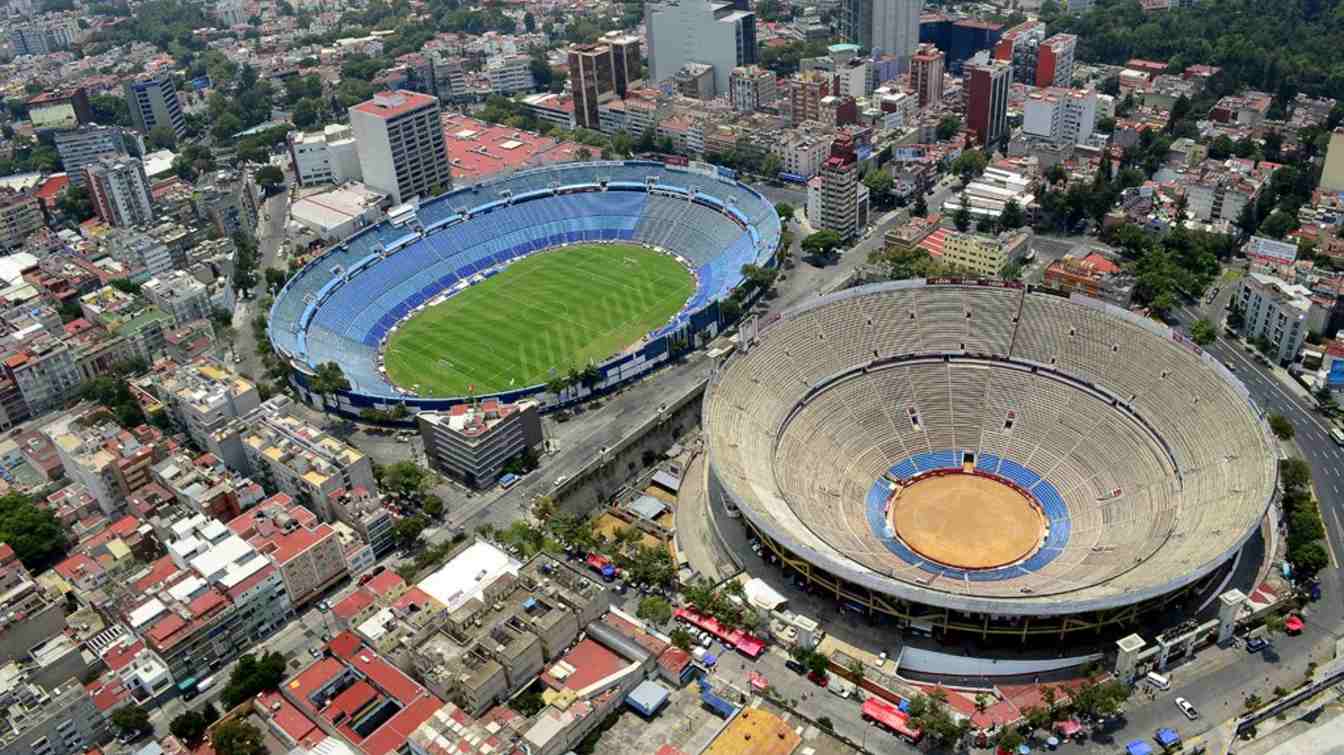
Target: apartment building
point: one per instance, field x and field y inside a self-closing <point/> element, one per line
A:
<point x="326" y="156"/>
<point x="20" y="216"/>
<point x="141" y="253"/>
<point x="202" y="395"/>
<point x="137" y="330"/>
<point x="840" y="189"/>
<point x="510" y="74"/>
<point x="29" y="612"/>
<point x="1091" y="275"/>
<point x="500" y="637"/>
<point x="592" y="81"/>
<point x="1060" y="116"/>
<point x="363" y="511"/>
<point x="400" y="143"/>
<point x="473" y="443"/>
<point x="1054" y="65"/>
<point x="82" y="146"/>
<point x="222" y="597"/>
<point x="295" y="457"/>
<point x="891" y="26"/>
<point x="1220" y="191"/>
<point x="1276" y="311"/>
<point x="111" y="463"/>
<point x="119" y="190"/>
<point x="46" y="372"/>
<point x="153" y="102"/>
<point x="38" y="721"/>
<point x="802" y="96"/>
<point x="983" y="255"/>
<point x="802" y="152"/>
<point x="307" y="553"/>
<point x="229" y="200"/>
<point x="926" y="74"/>
<point x="180" y="295"/>
<point x="751" y="88"/>
<point x="59" y="109"/>
<point x="205" y="486"/>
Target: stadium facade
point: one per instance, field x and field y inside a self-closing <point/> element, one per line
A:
<point x="342" y="306"/>
<point x="1139" y="461"/>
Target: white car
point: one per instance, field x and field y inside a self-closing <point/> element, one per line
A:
<point x="1187" y="708"/>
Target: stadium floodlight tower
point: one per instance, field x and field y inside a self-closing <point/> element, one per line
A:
<point x="650" y="181"/>
<point x="506" y="194"/>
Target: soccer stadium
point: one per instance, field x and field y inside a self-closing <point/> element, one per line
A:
<point x="498" y="287"/>
<point x="988" y="459"/>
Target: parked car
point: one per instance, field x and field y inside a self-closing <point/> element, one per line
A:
<point x="794" y="666"/>
<point x="1187" y="708"/>
<point x="1256" y="644"/>
<point x="821" y="680"/>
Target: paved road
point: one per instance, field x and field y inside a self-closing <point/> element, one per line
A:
<point x="270" y="239"/>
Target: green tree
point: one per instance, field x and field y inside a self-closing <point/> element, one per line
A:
<point x="189" y="726"/>
<point x="1203" y="332"/>
<point x="962" y="218"/>
<point x="822" y="243"/>
<point x="879" y="183"/>
<point x="405" y="480"/>
<point x="36" y="536"/>
<point x="785" y="212"/>
<point x="1294" y="475"/>
<point x="407" y="531"/>
<point x="948" y="126"/>
<point x="680" y="637"/>
<point x="654" y="609"/>
<point x="328" y="380"/>
<point x="161" y="137"/>
<point x="921" y="207"/>
<point x="1282" y="428"/>
<point x="76" y="203"/>
<point x="432" y="506"/>
<point x="270" y="178"/>
<point x="306" y="113"/>
<point x="237" y="737"/>
<point x="253" y="675"/>
<point x="1308" y="559"/>
<point x="970" y="164"/>
<point x="131" y="718"/>
<point x="1011" y="217"/>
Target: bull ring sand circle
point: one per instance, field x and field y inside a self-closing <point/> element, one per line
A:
<point x="967" y="521"/>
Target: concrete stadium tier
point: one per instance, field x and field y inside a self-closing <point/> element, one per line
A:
<point x="1146" y="459"/>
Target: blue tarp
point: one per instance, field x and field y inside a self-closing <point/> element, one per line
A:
<point x="1138" y="747"/>
<point x="1167" y="737"/>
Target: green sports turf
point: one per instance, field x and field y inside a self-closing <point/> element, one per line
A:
<point x="556" y="310"/>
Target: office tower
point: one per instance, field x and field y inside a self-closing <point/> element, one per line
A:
<point x="119" y="190"/>
<point x="840" y="189"/>
<point x="80" y="147"/>
<point x="626" y="65"/>
<point x="751" y="88"/>
<point x="153" y="102"/>
<point x="987" y="99"/>
<point x="887" y="26"/>
<point x="592" y="80"/>
<point x="718" y="34"/>
<point x="400" y="142"/>
<point x="1054" y="61"/>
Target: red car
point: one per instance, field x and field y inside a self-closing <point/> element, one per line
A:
<point x="821" y="680"/>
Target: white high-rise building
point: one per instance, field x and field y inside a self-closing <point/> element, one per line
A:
<point x="890" y="27"/>
<point x="119" y="190"/>
<point x="1064" y="116"/>
<point x="402" y="152"/>
<point x="717" y="34"/>
<point x="326" y="156"/>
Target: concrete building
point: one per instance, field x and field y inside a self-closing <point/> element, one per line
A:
<point x="20" y="216"/>
<point x="510" y="74"/>
<point x="592" y="81"/>
<point x="983" y="255"/>
<point x="718" y="34"/>
<point x="120" y="190"/>
<point x="203" y="485"/>
<point x="926" y="74"/>
<point x="887" y="26"/>
<point x="59" y="721"/>
<point x="307" y="553"/>
<point x="328" y="156"/>
<point x="61" y="108"/>
<point x="229" y="200"/>
<point x="1092" y="275"/>
<point x="336" y="214"/>
<point x="140" y="252"/>
<point x="296" y="457"/>
<point x="840" y="189"/>
<point x="987" y="87"/>
<point x="1020" y="47"/>
<point x="45" y="371"/>
<point x="111" y="463"/>
<point x="179" y="294"/>
<point x="473" y="443"/>
<point x="987" y="195"/>
<point x="802" y="153"/>
<point x="695" y="80"/>
<point x="29" y="612"/>
<point x="751" y="88"/>
<point x="203" y="396"/>
<point x="1054" y="64"/>
<point x="363" y="512"/>
<point x="401" y="146"/>
<point x="1332" y="178"/>
<point x="802" y="95"/>
<point x="1219" y="192"/>
<point x="153" y="102"/>
<point x="498" y="640"/>
<point x="1060" y="116"/>
<point x="1277" y="311"/>
<point x="80" y="147"/>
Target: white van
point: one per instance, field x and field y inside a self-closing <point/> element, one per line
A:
<point x="1157" y="680"/>
<point x="205" y="684"/>
<point x="1337" y="436"/>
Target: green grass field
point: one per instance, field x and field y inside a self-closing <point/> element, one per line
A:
<point x="558" y="309"/>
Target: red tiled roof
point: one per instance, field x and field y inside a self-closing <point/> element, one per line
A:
<point x="352" y="604"/>
<point x="52" y="187"/>
<point x="385" y="582"/>
<point x="408" y="101"/>
<point x="119" y="655"/>
<point x="285" y="716"/>
<point x="159" y="571"/>
<point x="591" y="661"/>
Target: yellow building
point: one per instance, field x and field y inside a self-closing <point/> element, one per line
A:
<point x="984" y="255"/>
<point x="758" y="732"/>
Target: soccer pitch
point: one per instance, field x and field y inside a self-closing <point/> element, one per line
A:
<point x="555" y="310"/>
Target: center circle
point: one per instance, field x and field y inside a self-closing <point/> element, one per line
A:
<point x="967" y="521"/>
